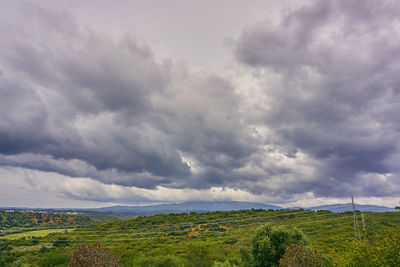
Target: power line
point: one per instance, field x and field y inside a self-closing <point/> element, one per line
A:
<point x="185" y="230"/>
<point x="188" y="224"/>
<point x="211" y="221"/>
<point x="201" y="234"/>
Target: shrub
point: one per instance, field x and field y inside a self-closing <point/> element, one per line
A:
<point x="300" y="256"/>
<point x="53" y="258"/>
<point x="161" y="261"/>
<point x="269" y="243"/>
<point x="93" y="256"/>
<point x="383" y="252"/>
<point x="61" y="241"/>
<point x="198" y="256"/>
<point x="224" y="264"/>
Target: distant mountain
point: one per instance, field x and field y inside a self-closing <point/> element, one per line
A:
<point x="198" y="206"/>
<point x="203" y="206"/>
<point x="349" y="207"/>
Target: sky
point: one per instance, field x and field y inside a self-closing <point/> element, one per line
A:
<point x="292" y="103"/>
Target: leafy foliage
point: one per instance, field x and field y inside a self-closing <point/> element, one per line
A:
<point x="224" y="264"/>
<point x="16" y="221"/>
<point x="198" y="256"/>
<point x="61" y="241"/>
<point x="161" y="261"/>
<point x="383" y="252"/>
<point x="269" y="243"/>
<point x="54" y="258"/>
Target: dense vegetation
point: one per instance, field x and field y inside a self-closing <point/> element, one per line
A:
<point x="11" y="219"/>
<point x="15" y="221"/>
<point x="218" y="239"/>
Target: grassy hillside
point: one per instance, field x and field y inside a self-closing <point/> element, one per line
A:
<point x="221" y="234"/>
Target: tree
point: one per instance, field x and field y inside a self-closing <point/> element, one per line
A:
<point x="269" y="243"/>
<point x="93" y="256"/>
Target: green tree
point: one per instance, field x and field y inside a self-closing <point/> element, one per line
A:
<point x="269" y="243"/>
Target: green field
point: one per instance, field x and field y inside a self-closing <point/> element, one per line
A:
<point x="220" y="235"/>
<point x="37" y="233"/>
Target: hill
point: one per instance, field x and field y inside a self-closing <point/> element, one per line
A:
<point x="210" y="206"/>
<point x="221" y="235"/>
<point x="193" y="206"/>
<point x="349" y="207"/>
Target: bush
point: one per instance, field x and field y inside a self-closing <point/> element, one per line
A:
<point x="198" y="256"/>
<point x="383" y="252"/>
<point x="300" y="256"/>
<point x="93" y="256"/>
<point x="161" y="261"/>
<point x="269" y="243"/>
<point x="53" y="259"/>
<point x="224" y="264"/>
<point x="61" y="241"/>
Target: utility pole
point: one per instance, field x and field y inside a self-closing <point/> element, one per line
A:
<point x="356" y="229"/>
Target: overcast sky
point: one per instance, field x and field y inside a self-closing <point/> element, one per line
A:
<point x="134" y="102"/>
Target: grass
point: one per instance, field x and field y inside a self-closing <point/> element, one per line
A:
<point x="37" y="233"/>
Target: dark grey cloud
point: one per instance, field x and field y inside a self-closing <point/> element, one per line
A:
<point x="84" y="104"/>
<point x="319" y="118"/>
<point x="338" y="91"/>
<point x="23" y="119"/>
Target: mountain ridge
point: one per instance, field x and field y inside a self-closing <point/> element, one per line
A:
<point x="205" y="206"/>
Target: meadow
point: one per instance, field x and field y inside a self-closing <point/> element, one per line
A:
<point x="37" y="233"/>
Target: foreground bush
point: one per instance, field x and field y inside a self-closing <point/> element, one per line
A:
<point x="53" y="258"/>
<point x="301" y="256"/>
<point x="160" y="261"/>
<point x="382" y="252"/>
<point x="269" y="243"/>
<point x="198" y="256"/>
<point x="224" y="264"/>
<point x="93" y="256"/>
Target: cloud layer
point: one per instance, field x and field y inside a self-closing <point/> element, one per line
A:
<point x="321" y="116"/>
<point x="335" y="93"/>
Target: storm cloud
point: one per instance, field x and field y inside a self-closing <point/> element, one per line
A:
<point x="335" y="94"/>
<point x="75" y="97"/>
<point x="320" y="118"/>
